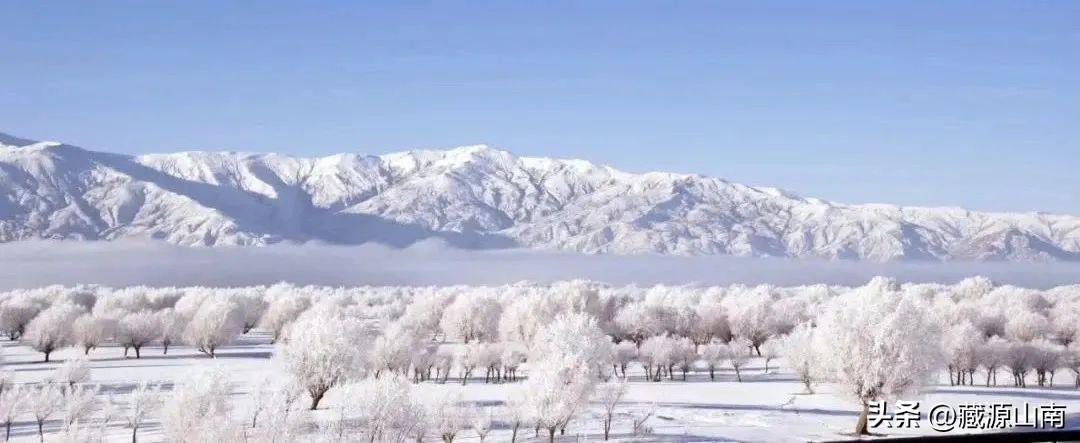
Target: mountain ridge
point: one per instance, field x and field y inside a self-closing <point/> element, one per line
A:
<point x="479" y="197"/>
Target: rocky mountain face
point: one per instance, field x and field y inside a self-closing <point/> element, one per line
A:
<point x="478" y="197"/>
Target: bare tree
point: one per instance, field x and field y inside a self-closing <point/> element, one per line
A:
<point x="609" y="395"/>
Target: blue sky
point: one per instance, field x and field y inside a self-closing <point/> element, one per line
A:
<point x="972" y="104"/>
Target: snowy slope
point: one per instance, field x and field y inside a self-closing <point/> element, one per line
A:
<point x="478" y="197"/>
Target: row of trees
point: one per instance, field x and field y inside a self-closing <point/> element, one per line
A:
<point x="878" y="341"/>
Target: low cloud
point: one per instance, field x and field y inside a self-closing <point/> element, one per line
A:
<point x="121" y="263"/>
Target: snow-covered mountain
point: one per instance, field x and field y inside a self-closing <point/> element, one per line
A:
<point x="478" y="197"/>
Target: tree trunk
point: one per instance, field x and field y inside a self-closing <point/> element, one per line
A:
<point x="47" y="355"/>
<point x="165" y="344"/>
<point x="607" y="427"/>
<point x="551" y="435"/>
<point x="316" y="398"/>
<point x="861" y="425"/>
<point x="133" y="431"/>
<point x="138" y="352"/>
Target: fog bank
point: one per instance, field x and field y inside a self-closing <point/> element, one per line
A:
<point x="122" y="263"/>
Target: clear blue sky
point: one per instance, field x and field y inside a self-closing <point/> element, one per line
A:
<point x="933" y="103"/>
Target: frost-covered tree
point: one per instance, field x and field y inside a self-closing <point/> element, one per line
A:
<point x="138" y="405"/>
<point x="90" y="331"/>
<point x="1071" y="359"/>
<point x="137" y="330"/>
<point x="281" y="312"/>
<point x="480" y="420"/>
<point x="714" y="354"/>
<point x="12" y="403"/>
<point x="443" y="362"/>
<point x="43" y="402"/>
<point x="993" y="354"/>
<point x="1045" y="360"/>
<point x="798" y="350"/>
<point x="770" y="350"/>
<point x="198" y="408"/>
<point x="1026" y="326"/>
<point x="683" y="355"/>
<point x="751" y="316"/>
<point x="610" y="395"/>
<point x="277" y="416"/>
<point x="961" y="345"/>
<point x="73" y="371"/>
<point x="15" y="314"/>
<point x="513" y="356"/>
<point x="562" y="372"/>
<point x="51" y="330"/>
<point x="422" y="361"/>
<point x="516" y="413"/>
<point x="216" y="323"/>
<point x="657" y="356"/>
<point x="381" y="407"/>
<point x="448" y="417"/>
<point x="172" y="328"/>
<point x="623" y="353"/>
<point x="472" y="317"/>
<point x="79" y="403"/>
<point x="323" y="350"/>
<point x="1065" y="324"/>
<point x="639" y="321"/>
<point x="877" y="344"/>
<point x="392" y="351"/>
<point x="712" y="324"/>
<point x="1018" y="360"/>
<point x="737" y="353"/>
<point x="252" y="307"/>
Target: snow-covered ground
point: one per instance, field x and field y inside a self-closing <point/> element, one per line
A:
<point x="763" y="407"/>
